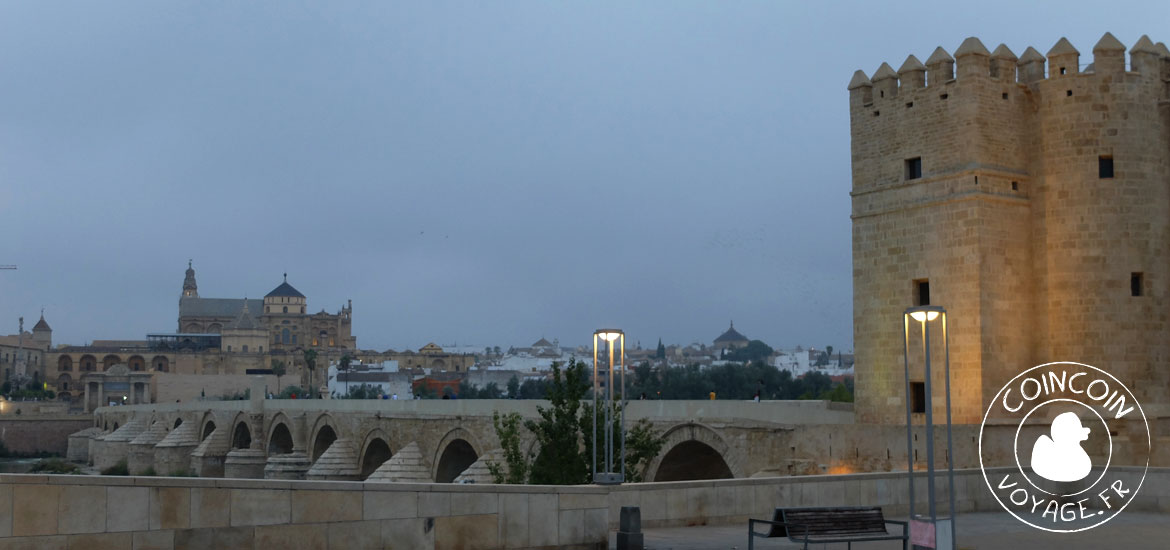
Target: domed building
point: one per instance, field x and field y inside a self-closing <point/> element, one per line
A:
<point x="284" y="316"/>
<point x="731" y="339"/>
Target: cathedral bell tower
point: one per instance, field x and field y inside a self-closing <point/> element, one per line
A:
<point x="190" y="290"/>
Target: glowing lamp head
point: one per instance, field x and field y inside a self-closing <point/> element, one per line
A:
<point x="608" y="335"/>
<point x="923" y="316"/>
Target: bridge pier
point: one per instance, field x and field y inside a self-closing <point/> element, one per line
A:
<point x="247" y="458"/>
<point x="140" y="454"/>
<point x="294" y="465"/>
<point x="338" y="463"/>
<point x="406" y="466"/>
<point x="114" y="447"/>
<point x="172" y="455"/>
<point x="287" y="455"/>
<point x="79" y="442"/>
<point x="207" y="460"/>
<point x="244" y="463"/>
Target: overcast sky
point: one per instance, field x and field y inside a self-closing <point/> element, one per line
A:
<point x="484" y="173"/>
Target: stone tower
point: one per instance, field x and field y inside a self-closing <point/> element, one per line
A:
<point x="1033" y="204"/>
<point x="190" y="289"/>
<point x="43" y="333"/>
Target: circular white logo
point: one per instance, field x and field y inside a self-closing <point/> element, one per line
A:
<point x="1059" y="421"/>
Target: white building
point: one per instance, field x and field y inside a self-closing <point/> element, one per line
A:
<point x="384" y="375"/>
<point x="800" y="362"/>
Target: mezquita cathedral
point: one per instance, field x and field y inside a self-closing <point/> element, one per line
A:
<point x="282" y="318"/>
<point x="218" y="344"/>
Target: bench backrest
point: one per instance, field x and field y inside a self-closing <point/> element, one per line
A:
<point x="842" y="520"/>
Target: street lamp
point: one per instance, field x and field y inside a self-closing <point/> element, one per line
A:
<point x="611" y="343"/>
<point x="933" y="530"/>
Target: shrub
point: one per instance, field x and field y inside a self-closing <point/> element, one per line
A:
<point x="290" y="391"/>
<point x="55" y="466"/>
<point x="149" y="472"/>
<point x="119" y="469"/>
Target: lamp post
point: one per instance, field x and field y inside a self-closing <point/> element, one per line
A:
<point x="934" y="530"/>
<point x="612" y="345"/>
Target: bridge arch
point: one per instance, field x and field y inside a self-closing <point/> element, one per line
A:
<point x="374" y="451"/>
<point x="206" y="426"/>
<point x="279" y="437"/>
<point x="694" y="451"/>
<point x="241" y="432"/>
<point x="456" y="451"/>
<point x="325" y="432"/>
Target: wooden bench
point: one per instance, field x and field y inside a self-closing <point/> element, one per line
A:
<point x="846" y="524"/>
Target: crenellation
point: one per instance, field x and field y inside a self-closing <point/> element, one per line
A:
<point x="860" y="90"/>
<point x="1063" y="59"/>
<point x="912" y="74"/>
<point x="1109" y="56"/>
<point x="885" y="82"/>
<point x="1003" y="64"/>
<point x="973" y="59"/>
<point x="940" y="67"/>
<point x="1031" y="66"/>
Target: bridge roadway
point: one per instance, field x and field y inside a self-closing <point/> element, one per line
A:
<point x="438" y="440"/>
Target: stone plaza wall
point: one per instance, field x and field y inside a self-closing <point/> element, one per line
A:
<point x="174" y="387"/>
<point x="53" y="512"/>
<point x="50" y="512"/>
<point x="45" y="434"/>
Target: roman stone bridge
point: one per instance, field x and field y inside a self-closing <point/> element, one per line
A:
<point x="441" y="440"/>
<point x="450" y="440"/>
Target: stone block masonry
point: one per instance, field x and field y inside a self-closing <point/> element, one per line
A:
<point x="33" y="435"/>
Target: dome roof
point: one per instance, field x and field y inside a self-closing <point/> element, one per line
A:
<point x="285" y="290"/>
<point x="731" y="335"/>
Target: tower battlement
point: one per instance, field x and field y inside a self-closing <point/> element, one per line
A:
<point x="1028" y="195"/>
<point x="973" y="61"/>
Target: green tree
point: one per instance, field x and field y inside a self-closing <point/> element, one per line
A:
<point x="514" y="469"/>
<point x="564" y="436"/>
<point x="643" y="443"/>
<point x="279" y="370"/>
<point x="311" y="364"/>
<point x="558" y="434"/>
<point x="363" y="391"/>
<point x="289" y="391"/>
<point x="513" y="387"/>
<point x="467" y="391"/>
<point x="756" y="350"/>
<point x="491" y="391"/>
<point x="838" y="393"/>
<point x="425" y="392"/>
<point x="533" y="389"/>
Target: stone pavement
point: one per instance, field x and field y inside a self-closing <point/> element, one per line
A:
<point x="982" y="531"/>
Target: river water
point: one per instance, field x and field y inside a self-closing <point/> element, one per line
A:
<point x="16" y="465"/>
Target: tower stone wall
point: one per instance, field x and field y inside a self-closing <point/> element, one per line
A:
<point x="1028" y="248"/>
